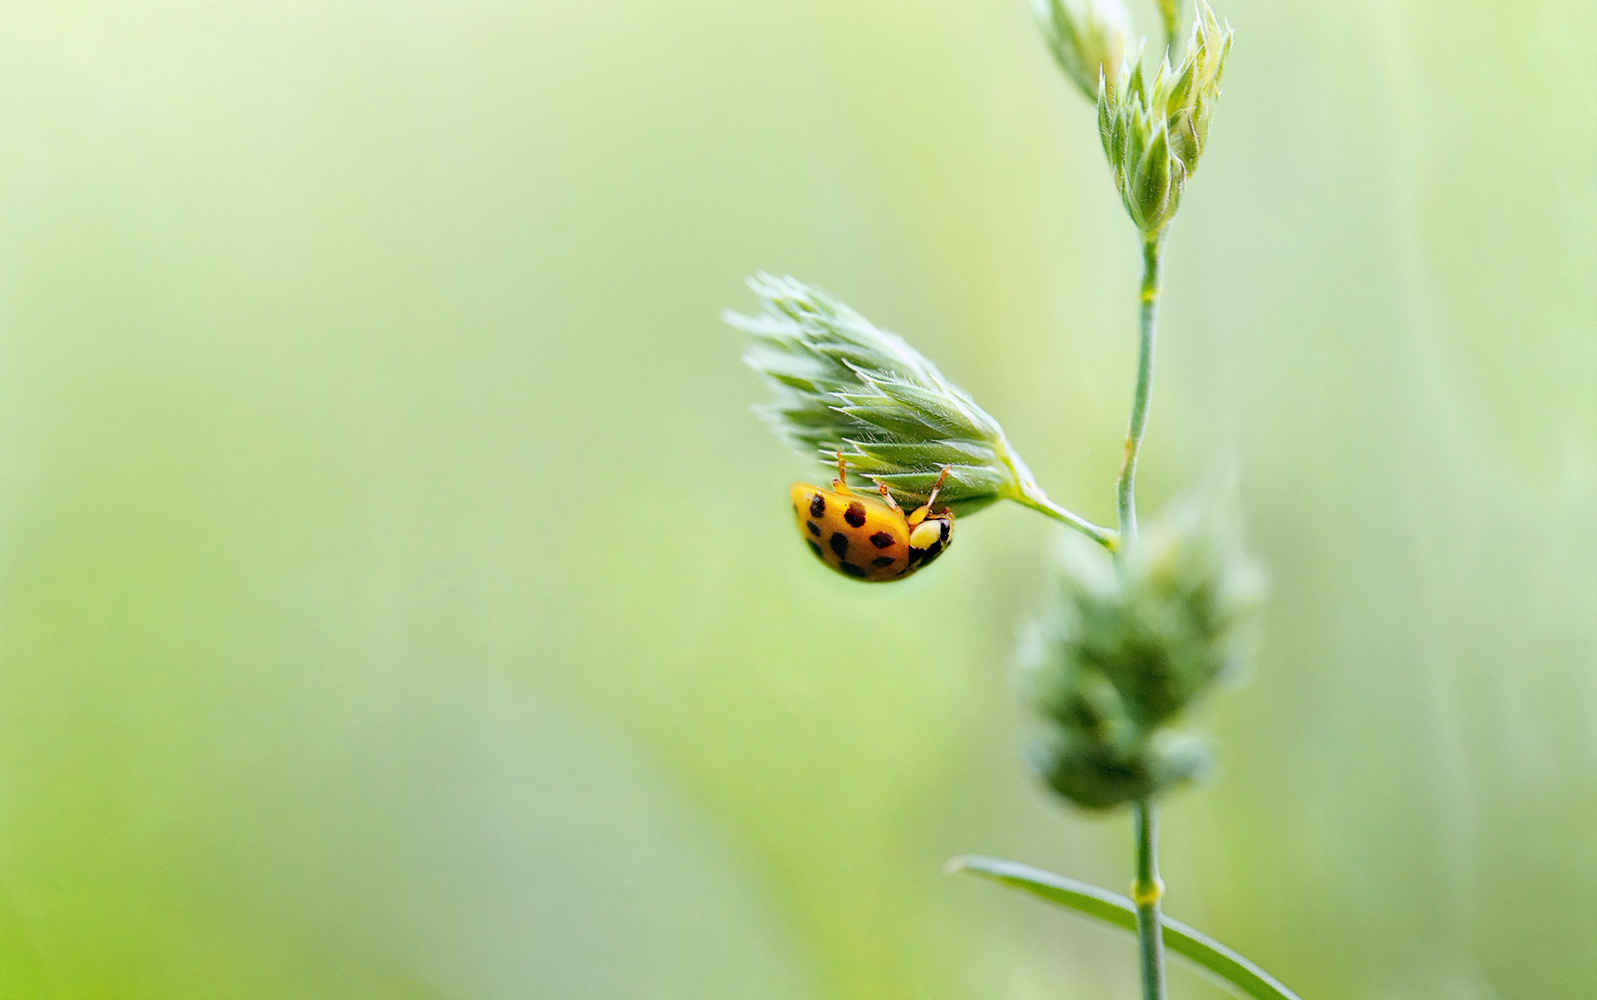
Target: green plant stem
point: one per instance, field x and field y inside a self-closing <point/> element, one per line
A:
<point x="1146" y="892"/>
<point x="1147" y="889"/>
<point x="1126" y="489"/>
<point x="1037" y="500"/>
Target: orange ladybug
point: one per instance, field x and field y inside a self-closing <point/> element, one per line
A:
<point x="869" y="539"/>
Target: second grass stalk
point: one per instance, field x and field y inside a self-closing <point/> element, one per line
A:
<point x="1148" y="888"/>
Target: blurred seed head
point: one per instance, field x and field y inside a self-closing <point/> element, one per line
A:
<point x="1095" y="774"/>
<point x="1170" y="14"/>
<point x="1154" y="129"/>
<point x="1125" y="649"/>
<point x="841" y="384"/>
<point x="1087" y="38"/>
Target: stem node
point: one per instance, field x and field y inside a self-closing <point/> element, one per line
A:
<point x="1147" y="894"/>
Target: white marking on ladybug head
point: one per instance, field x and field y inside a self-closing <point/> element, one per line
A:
<point x="927" y="533"/>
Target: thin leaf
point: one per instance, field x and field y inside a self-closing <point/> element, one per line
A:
<point x="1230" y="967"/>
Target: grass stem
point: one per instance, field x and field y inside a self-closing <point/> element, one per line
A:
<point x="1147" y="889"/>
<point x="1126" y="489"/>
<point x="1037" y="500"/>
<point x="1146" y="892"/>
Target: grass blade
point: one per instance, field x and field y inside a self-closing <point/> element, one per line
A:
<point x="1229" y="966"/>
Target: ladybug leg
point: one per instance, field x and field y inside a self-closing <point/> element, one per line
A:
<point x="840" y="484"/>
<point x="920" y="512"/>
<point x="887" y="495"/>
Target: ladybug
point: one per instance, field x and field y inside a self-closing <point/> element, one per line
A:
<point x="865" y="538"/>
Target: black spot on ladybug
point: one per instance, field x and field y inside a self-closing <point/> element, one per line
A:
<point x="840" y="544"/>
<point x="851" y="569"/>
<point x="855" y="515"/>
<point x="813" y="529"/>
<point x="816" y="549"/>
<point x="882" y="561"/>
<point x="932" y="552"/>
<point x="881" y="539"/>
<point x="817" y="505"/>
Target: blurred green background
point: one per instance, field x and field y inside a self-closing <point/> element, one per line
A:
<point x="399" y="600"/>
